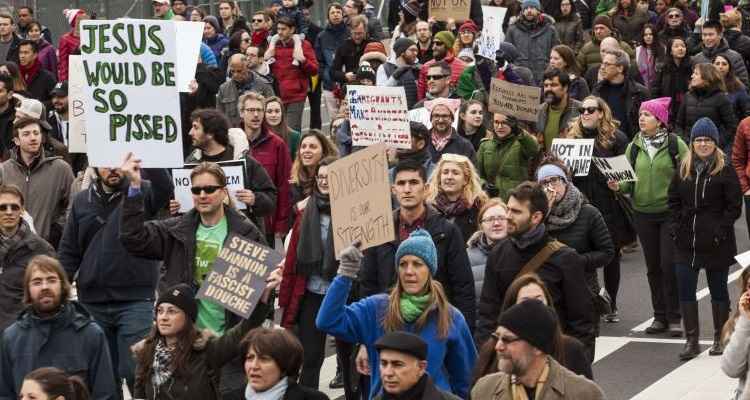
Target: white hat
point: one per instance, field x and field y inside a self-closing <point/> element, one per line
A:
<point x="32" y="108"/>
<point x="162" y="2"/>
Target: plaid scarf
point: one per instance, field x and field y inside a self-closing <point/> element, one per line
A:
<point x="162" y="364"/>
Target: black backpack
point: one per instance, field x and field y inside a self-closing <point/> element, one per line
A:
<point x="672" y="148"/>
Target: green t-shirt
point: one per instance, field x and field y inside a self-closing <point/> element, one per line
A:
<point x="208" y="242"/>
<point x="552" y="129"/>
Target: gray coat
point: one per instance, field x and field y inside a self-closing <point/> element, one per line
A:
<point x="736" y="358"/>
<point x="533" y="43"/>
<point x="478" y="249"/>
<point x="229" y="94"/>
<point x="738" y="65"/>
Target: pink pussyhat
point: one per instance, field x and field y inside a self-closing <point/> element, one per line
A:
<point x="659" y="108"/>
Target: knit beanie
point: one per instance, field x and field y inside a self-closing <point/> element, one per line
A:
<point x="401" y="45"/>
<point x="375" y="47"/>
<point x="72" y="14"/>
<point x="704" y="127"/>
<point x="411" y="7"/>
<point x="211" y="20"/>
<point x="181" y="296"/>
<point x="531" y="3"/>
<point x="533" y="322"/>
<point x="419" y="244"/>
<point x="659" y="108"/>
<point x="469" y="26"/>
<point x="446" y="37"/>
<point x="603" y="20"/>
<point x="548" y="170"/>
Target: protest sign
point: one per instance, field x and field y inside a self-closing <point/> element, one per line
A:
<point x="616" y="168"/>
<point x="743" y="259"/>
<point x="360" y="195"/>
<point x="238" y="276"/>
<point x="76" y="109"/>
<point x="515" y="100"/>
<point x="234" y="170"/>
<point x="576" y="153"/>
<point x="443" y="10"/>
<point x="378" y="114"/>
<point x="492" y="31"/>
<point x="190" y="35"/>
<point x="131" y="94"/>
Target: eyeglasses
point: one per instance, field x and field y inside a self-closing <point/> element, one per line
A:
<point x="196" y="190"/>
<point x="253" y="110"/>
<point x="588" y="110"/>
<point x="257" y="20"/>
<point x="435" y="77"/>
<point x="492" y="220"/>
<point x="551" y="181"/>
<point x="12" y="207"/>
<point x="505" y="339"/>
<point x="703" y="140"/>
<point x="674" y="16"/>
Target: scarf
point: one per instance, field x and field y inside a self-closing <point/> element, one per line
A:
<point x="275" y="392"/>
<point x="312" y="257"/>
<point x="412" y="306"/>
<point x="439" y="142"/>
<point x="700" y="165"/>
<point x="646" y="65"/>
<point x="415" y="392"/>
<point x="162" y="364"/>
<point x="450" y="208"/>
<point x="518" y="391"/>
<point x="566" y="211"/>
<point x="530" y="237"/>
<point x="259" y="37"/>
<point x="30" y="72"/>
<point x="657" y="140"/>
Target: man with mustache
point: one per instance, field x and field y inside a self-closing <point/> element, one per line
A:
<point x="558" y="108"/>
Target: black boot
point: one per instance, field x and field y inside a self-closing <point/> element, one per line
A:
<point x="720" y="311"/>
<point x="690" y="320"/>
<point x="338" y="381"/>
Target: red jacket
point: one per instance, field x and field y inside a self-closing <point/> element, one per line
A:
<point x="292" y="285"/>
<point x="293" y="80"/>
<point x="741" y="154"/>
<point x="457" y="67"/>
<point x="273" y="154"/>
<point x="68" y="44"/>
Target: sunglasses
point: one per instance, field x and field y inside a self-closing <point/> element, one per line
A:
<point x="437" y="43"/>
<point x="674" y="16"/>
<point x="588" y="110"/>
<point x="435" y="77"/>
<point x="196" y="190"/>
<point x="12" y="207"/>
<point x="258" y="20"/>
<point x="505" y="339"/>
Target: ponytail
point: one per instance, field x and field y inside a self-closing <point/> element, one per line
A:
<point x="54" y="382"/>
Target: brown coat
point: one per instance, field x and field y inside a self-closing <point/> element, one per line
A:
<point x="561" y="385"/>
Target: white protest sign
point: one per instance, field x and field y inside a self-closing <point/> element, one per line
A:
<point x="131" y="93"/>
<point x="743" y="259"/>
<point x="234" y="170"/>
<point x="576" y="153"/>
<point x="77" y="111"/>
<point x="190" y="35"/>
<point x="492" y="31"/>
<point x="616" y="168"/>
<point x="378" y="114"/>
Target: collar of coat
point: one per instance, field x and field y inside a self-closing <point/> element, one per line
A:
<point x="555" y="380"/>
<point x="184" y="230"/>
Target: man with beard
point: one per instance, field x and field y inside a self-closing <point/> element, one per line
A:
<point x="403" y="71"/>
<point x="443" y="137"/>
<point x="18" y="244"/>
<point x="442" y="51"/>
<point x="424" y="42"/>
<point x="243" y="80"/>
<point x="58" y="115"/>
<point x="534" y="36"/>
<point x="54" y="331"/>
<point x="559" y="266"/>
<point x="117" y="288"/>
<point x="525" y="340"/>
<point x="558" y="108"/>
<point x="348" y="53"/>
<point x="438" y="84"/>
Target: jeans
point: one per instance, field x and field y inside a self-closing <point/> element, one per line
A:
<point x="687" y="283"/>
<point x="294" y="113"/>
<point x="124" y="324"/>
<point x="612" y="277"/>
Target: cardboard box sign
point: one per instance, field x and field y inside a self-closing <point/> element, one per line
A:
<point x="515" y="100"/>
<point x="442" y="10"/>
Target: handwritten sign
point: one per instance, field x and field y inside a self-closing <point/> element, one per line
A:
<point x="361" y="199"/>
<point x="378" y="114"/>
<point x="77" y="115"/>
<point x="131" y="95"/>
<point x="234" y="170"/>
<point x="190" y="34"/>
<point x="576" y="153"/>
<point x="616" y="168"/>
<point x="238" y="276"/>
<point x="492" y="31"/>
<point x="442" y="10"/>
<point x="515" y="100"/>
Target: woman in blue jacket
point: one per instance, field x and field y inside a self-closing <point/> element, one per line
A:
<point x="417" y="304"/>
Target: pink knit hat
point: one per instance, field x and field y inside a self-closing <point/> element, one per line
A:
<point x="71" y="14"/>
<point x="659" y="108"/>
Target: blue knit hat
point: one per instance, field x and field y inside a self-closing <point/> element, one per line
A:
<point x="704" y="127"/>
<point x="531" y="3"/>
<point x="547" y="170"/>
<point x="419" y="244"/>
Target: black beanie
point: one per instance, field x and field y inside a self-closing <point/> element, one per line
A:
<point x="533" y="322"/>
<point x="181" y="296"/>
<point x="401" y="45"/>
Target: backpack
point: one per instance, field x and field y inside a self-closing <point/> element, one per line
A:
<point x="672" y="148"/>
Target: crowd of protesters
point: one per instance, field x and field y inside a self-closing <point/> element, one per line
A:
<point x="491" y="286"/>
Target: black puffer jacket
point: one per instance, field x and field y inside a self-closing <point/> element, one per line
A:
<point x="562" y="273"/>
<point x="634" y="94"/>
<point x="710" y="203"/>
<point x="672" y="80"/>
<point x="713" y="104"/>
<point x="738" y="42"/>
<point x="589" y="236"/>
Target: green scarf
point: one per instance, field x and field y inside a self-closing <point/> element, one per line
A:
<point x="413" y="306"/>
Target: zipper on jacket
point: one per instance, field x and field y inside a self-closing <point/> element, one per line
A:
<point x="695" y="214"/>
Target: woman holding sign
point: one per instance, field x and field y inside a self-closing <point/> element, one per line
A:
<point x="705" y="200"/>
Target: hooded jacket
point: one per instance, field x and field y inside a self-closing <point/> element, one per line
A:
<point x="325" y="49"/>
<point x="70" y="340"/>
<point x="504" y="163"/>
<point x="629" y="23"/>
<point x="706" y="55"/>
<point x="534" y="42"/>
<point x="273" y="154"/>
<point x="48" y="57"/>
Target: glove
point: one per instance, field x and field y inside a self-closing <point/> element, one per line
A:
<point x="350" y="261"/>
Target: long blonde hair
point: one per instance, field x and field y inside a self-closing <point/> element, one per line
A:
<point x="472" y="190"/>
<point x="607" y="124"/>
<point x="393" y="321"/>
<point x="686" y="166"/>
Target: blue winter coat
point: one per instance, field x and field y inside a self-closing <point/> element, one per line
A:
<point x="325" y="49"/>
<point x="449" y="360"/>
<point x="216" y="44"/>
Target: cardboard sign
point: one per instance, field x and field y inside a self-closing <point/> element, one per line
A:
<point x="131" y="95"/>
<point x="515" y="100"/>
<point x="239" y="274"/>
<point x="378" y="114"/>
<point x="234" y="170"/>
<point x="190" y="35"/>
<point x="492" y="31"/>
<point x="443" y="10"/>
<point x="616" y="168"/>
<point x="575" y="152"/>
<point x="77" y="114"/>
<point x="361" y="199"/>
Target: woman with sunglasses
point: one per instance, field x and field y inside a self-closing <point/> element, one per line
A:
<point x="238" y="43"/>
<point x="492" y="226"/>
<point x="704" y="200"/>
<point x="673" y="75"/>
<point x="736" y="90"/>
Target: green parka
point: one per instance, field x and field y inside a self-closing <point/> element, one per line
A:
<point x="504" y="162"/>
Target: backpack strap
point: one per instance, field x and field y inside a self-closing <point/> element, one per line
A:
<point x="633" y="154"/>
<point x="673" y="149"/>
<point x="541" y="257"/>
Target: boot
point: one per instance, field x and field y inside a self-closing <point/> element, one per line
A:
<point x="720" y="311"/>
<point x="690" y="320"/>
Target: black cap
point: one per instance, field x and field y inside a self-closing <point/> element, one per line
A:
<point x="60" y="89"/>
<point x="181" y="296"/>
<point x="403" y="342"/>
<point x="533" y="322"/>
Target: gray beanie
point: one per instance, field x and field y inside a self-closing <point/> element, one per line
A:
<point x="401" y="45"/>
